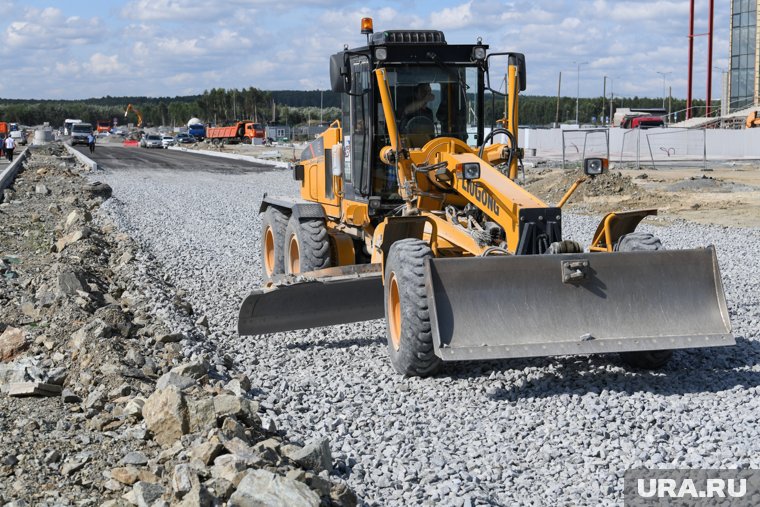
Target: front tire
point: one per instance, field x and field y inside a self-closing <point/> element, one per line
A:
<point x="409" y="333"/>
<point x="273" y="225"/>
<point x="307" y="245"/>
<point x="645" y="359"/>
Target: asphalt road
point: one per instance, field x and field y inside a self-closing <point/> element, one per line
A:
<point x="123" y="158"/>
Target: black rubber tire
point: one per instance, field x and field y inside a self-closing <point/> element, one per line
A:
<point x="312" y="245"/>
<point x="275" y="221"/>
<point x="413" y="355"/>
<point x="645" y="359"/>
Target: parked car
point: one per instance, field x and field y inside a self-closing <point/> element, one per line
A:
<point x="167" y="141"/>
<point x="151" y="141"/>
<point x="183" y="138"/>
<point x="19" y="136"/>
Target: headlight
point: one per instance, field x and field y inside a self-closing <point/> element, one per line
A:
<point x="479" y="53"/>
<point x="469" y="170"/>
<point x="594" y="166"/>
<point x="381" y="54"/>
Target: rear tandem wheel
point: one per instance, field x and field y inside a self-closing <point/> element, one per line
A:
<point x="410" y="339"/>
<point x="645" y="359"/>
<point x="273" y="225"/>
<point x="307" y="245"/>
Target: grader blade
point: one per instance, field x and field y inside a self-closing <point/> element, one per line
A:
<point x="542" y="305"/>
<point x="319" y="298"/>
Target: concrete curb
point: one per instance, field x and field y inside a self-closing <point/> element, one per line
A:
<point x="9" y="174"/>
<point x="233" y="156"/>
<point x="82" y="158"/>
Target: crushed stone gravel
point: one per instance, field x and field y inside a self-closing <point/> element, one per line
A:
<point x="545" y="430"/>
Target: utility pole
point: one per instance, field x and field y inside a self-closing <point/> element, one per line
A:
<point x="604" y="99"/>
<point x="578" y="90"/>
<point x="321" y="94"/>
<point x="559" y="87"/>
<point x="664" y="75"/>
<point x="670" y="103"/>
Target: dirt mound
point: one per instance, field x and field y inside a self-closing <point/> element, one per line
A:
<point x="551" y="185"/>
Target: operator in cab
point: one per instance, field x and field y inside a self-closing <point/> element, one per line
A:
<point x="417" y="118"/>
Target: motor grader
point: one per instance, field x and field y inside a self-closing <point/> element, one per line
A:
<point x="418" y="217"/>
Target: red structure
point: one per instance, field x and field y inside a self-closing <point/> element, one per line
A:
<point x="691" y="58"/>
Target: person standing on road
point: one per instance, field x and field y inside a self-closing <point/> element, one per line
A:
<point x="91" y="142"/>
<point x="10" y="145"/>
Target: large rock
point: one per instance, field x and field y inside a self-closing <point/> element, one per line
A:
<point x="147" y="493"/>
<point x="12" y="343"/>
<point x="70" y="281"/>
<point x="315" y="456"/>
<point x="195" y="370"/>
<point x="166" y="415"/>
<point x="241" y="408"/>
<point x="202" y="415"/>
<point x="70" y="238"/>
<point x="173" y="379"/>
<point x="98" y="189"/>
<point x="262" y="488"/>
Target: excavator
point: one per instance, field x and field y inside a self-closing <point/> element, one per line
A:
<point x="130" y="107"/>
<point x="419" y="218"/>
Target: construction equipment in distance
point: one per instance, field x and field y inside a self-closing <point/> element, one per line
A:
<point x="399" y="216"/>
<point x="240" y="132"/>
<point x="130" y="107"/>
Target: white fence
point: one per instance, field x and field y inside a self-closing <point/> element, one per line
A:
<point x="645" y="147"/>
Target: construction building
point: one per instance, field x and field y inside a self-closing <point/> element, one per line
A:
<point x="744" y="47"/>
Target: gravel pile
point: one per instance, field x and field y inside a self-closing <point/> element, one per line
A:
<point x="545" y="430"/>
<point x="102" y="401"/>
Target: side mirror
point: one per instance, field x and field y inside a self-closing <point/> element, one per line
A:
<point x="338" y="73"/>
<point x="595" y="166"/>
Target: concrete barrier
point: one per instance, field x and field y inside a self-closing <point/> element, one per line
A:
<point x="234" y="156"/>
<point x="82" y="157"/>
<point x="10" y="172"/>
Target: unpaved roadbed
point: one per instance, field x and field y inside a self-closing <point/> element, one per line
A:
<point x="547" y="430"/>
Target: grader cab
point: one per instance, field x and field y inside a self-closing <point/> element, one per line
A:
<point x="409" y="210"/>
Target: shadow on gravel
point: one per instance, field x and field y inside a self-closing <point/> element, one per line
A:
<point x="335" y="344"/>
<point x="706" y="370"/>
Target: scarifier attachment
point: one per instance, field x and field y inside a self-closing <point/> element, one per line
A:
<point x="319" y="298"/>
<point x="541" y="305"/>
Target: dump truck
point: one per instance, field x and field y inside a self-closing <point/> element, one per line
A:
<point x="239" y="132"/>
<point x="399" y="218"/>
<point x="644" y="118"/>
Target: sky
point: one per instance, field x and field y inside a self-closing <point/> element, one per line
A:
<point x="76" y="49"/>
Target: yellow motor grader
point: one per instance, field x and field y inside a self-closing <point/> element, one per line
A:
<point x="409" y="210"/>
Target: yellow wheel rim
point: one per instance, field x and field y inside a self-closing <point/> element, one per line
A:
<point x="269" y="255"/>
<point x="394" y="312"/>
<point x="294" y="259"/>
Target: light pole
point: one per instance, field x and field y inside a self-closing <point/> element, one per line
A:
<point x="663" y="74"/>
<point x="724" y="90"/>
<point x="578" y="89"/>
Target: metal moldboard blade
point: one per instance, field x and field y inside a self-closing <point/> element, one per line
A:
<point x="519" y="306"/>
<point x="319" y="298"/>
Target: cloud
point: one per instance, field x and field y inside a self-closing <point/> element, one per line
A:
<point x="101" y="65"/>
<point x="48" y="28"/>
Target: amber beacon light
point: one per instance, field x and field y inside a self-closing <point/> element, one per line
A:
<point x="367" y="26"/>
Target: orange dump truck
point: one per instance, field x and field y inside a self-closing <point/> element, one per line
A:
<point x="240" y="132"/>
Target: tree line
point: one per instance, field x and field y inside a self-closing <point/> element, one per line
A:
<point x="290" y="107"/>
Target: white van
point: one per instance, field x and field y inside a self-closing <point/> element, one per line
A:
<point x="80" y="132"/>
<point x="67" y="123"/>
